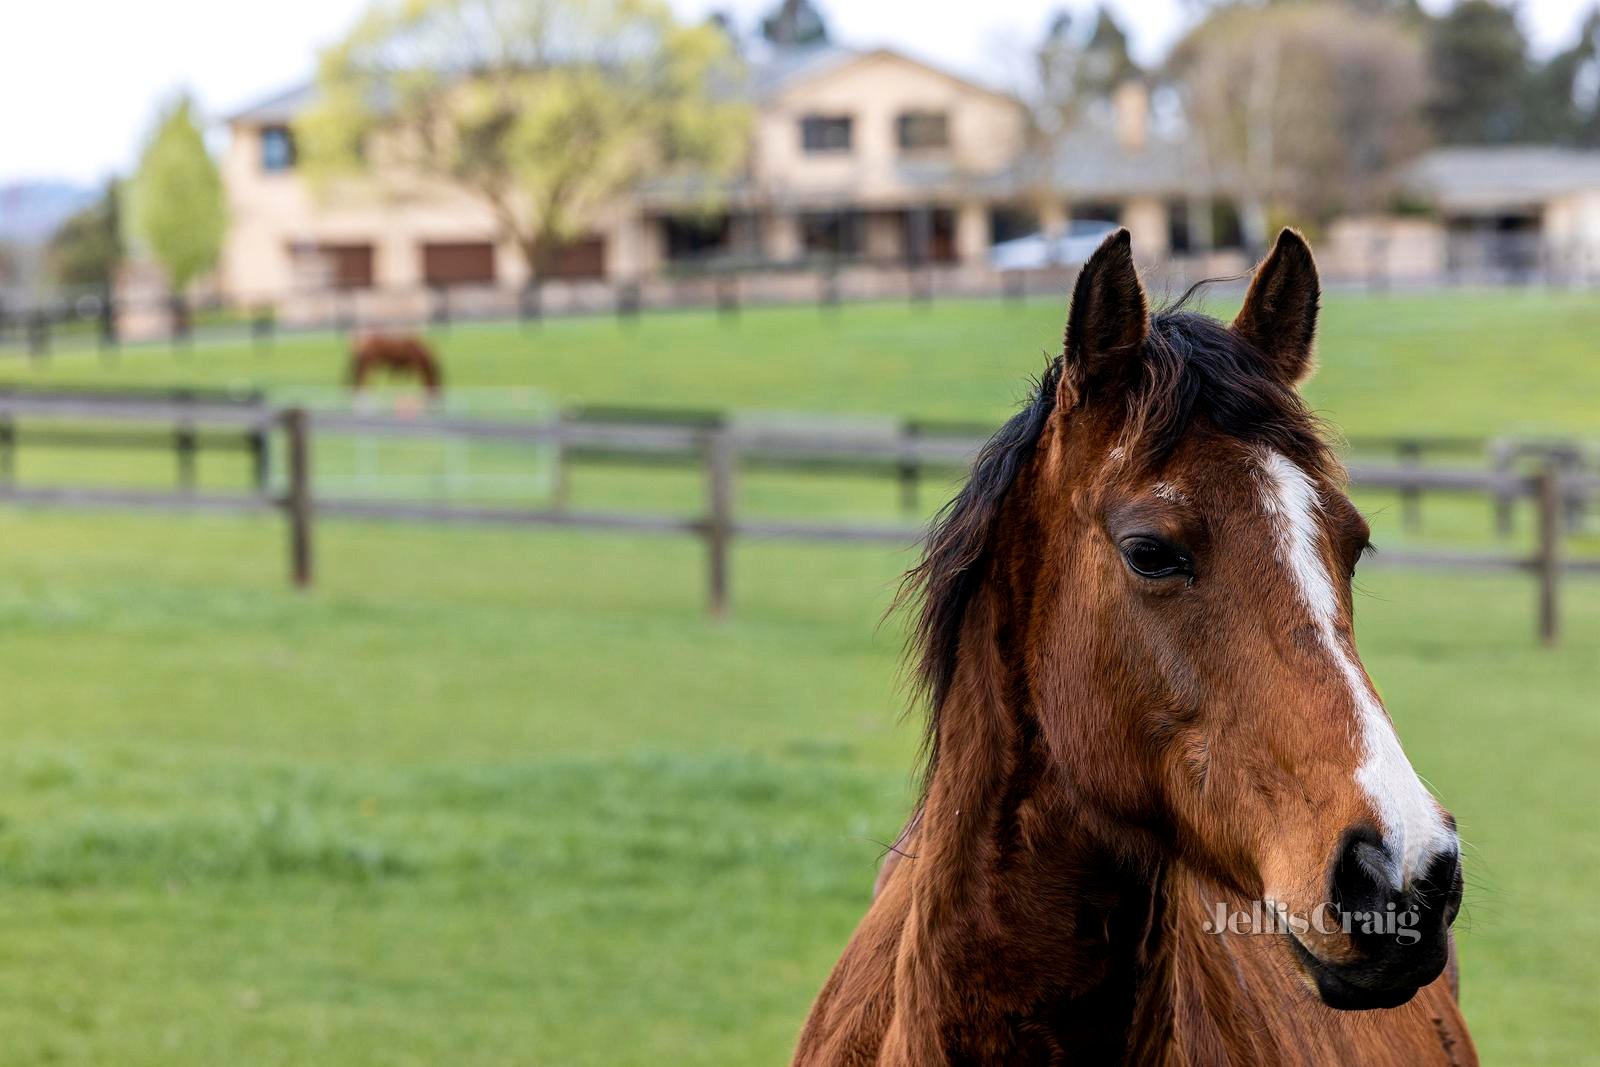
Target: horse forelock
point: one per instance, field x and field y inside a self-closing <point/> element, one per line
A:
<point x="1192" y="369"/>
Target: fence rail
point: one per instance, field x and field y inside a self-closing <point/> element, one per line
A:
<point x="32" y="321"/>
<point x="720" y="449"/>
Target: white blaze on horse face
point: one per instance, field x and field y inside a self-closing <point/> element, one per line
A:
<point x="1413" y="827"/>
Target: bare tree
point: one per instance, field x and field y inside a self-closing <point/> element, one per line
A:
<point x="1307" y="109"/>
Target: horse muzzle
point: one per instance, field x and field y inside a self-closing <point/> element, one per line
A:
<point x="1398" y="939"/>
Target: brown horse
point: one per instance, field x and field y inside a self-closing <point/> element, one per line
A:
<point x="403" y="354"/>
<point x="1165" y="818"/>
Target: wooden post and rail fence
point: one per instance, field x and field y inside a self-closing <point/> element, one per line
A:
<point x="1556" y="487"/>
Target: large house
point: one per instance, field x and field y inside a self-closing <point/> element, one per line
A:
<point x="1515" y="207"/>
<point x="858" y="159"/>
<point x="1487" y="214"/>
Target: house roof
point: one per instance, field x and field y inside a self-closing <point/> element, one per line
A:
<point x="281" y="106"/>
<point x="1091" y="161"/>
<point x="790" y="66"/>
<point x="764" y="80"/>
<point x="785" y="68"/>
<point x="1494" y="177"/>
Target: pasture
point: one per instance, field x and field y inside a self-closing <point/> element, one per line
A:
<point x="493" y="797"/>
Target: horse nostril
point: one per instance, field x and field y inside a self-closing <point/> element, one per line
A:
<point x="1440" y="874"/>
<point x="1363" y="879"/>
<point x="1439" y="888"/>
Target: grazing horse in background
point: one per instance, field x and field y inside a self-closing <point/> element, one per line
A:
<point x="404" y="354"/>
<point x="1165" y="819"/>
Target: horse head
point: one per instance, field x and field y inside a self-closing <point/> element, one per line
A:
<point x="1162" y="542"/>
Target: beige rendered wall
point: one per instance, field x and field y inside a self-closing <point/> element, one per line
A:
<point x="270" y="212"/>
<point x="1574" y="218"/>
<point x="985" y="131"/>
<point x="1572" y="232"/>
<point x="1363" y="247"/>
<point x="972" y="231"/>
<point x="1146" y="220"/>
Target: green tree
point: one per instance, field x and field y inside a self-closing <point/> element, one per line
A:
<point x="795" y="24"/>
<point x="1564" y="96"/>
<point x="177" y="205"/>
<point x="86" y="249"/>
<point x="1405" y="9"/>
<point x="546" y="111"/>
<point x="1075" y="70"/>
<point x="1478" y="59"/>
<point x="1583" y="82"/>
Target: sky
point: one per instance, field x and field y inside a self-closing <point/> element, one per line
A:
<point x="82" y="79"/>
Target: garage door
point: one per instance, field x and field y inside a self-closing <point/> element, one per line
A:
<point x="583" y="258"/>
<point x="458" y="263"/>
<point x="347" y="266"/>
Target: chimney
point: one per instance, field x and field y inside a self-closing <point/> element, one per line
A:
<point x="1130" y="108"/>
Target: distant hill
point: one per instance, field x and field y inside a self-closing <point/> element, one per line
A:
<point x="31" y="211"/>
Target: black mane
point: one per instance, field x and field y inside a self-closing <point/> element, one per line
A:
<point x="1191" y="367"/>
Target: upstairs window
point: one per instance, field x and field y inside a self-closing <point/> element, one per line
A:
<point x="826" y="133"/>
<point x="922" y="131"/>
<point x="277" y="149"/>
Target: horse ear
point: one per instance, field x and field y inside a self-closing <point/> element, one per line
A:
<point x="1108" y="320"/>
<point x="1279" y="317"/>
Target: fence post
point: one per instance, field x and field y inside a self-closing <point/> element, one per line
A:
<point x="908" y="469"/>
<point x="1548" y="559"/>
<point x="530" y="303"/>
<point x="920" y="284"/>
<point x="297" y="501"/>
<point x="345" y="309"/>
<point x="828" y="288"/>
<point x="8" y="451"/>
<point x="630" y="301"/>
<point x="108" y="337"/>
<point x="1501" y="458"/>
<point x="180" y="331"/>
<point x="560" y="487"/>
<point x="38" y="335"/>
<point x="1571" y="461"/>
<point x="185" y="443"/>
<point x="1378" y="266"/>
<point x="719" y="519"/>
<point x="261" y="458"/>
<point x="1410" y="497"/>
<point x="261" y="327"/>
<point x="728" y="297"/>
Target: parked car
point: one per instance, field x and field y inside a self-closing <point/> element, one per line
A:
<point x="1067" y="249"/>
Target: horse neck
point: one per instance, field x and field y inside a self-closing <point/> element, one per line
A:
<point x="1019" y="913"/>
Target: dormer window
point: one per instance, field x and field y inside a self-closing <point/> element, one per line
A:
<point x="922" y="131"/>
<point x="826" y="133"/>
<point x="277" y="149"/>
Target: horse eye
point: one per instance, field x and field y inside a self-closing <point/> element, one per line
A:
<point x="1149" y="557"/>
<point x="1367" y="549"/>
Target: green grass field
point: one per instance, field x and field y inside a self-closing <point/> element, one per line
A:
<point x="492" y="797"/>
